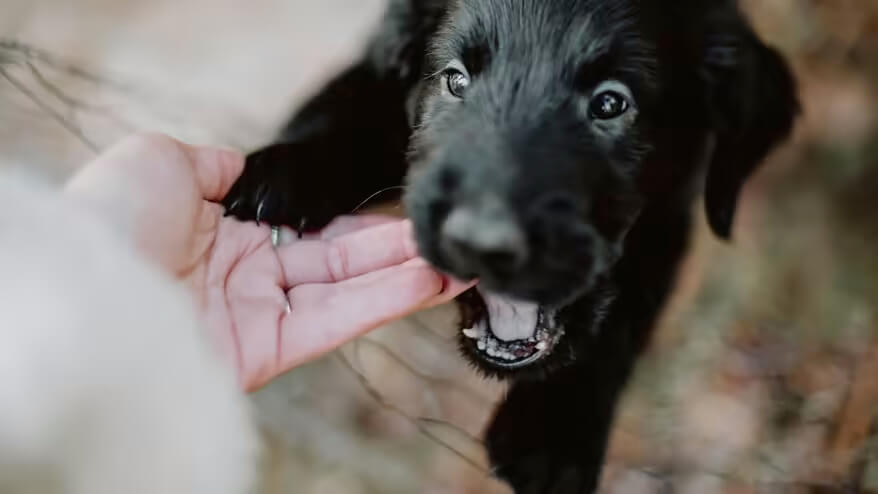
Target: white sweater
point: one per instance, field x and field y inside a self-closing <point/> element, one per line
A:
<point x="107" y="384"/>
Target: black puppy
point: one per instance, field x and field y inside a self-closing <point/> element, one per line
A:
<point x="555" y="150"/>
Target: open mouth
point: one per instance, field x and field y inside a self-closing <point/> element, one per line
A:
<point x="506" y="333"/>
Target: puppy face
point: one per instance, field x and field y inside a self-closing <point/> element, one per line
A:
<point x="532" y="131"/>
<point x="532" y="139"/>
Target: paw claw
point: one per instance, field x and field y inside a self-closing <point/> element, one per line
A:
<point x="231" y="208"/>
<point x="259" y="209"/>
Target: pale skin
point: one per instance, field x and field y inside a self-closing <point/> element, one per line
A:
<point x="356" y="275"/>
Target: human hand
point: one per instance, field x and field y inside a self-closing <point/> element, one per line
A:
<point x="268" y="308"/>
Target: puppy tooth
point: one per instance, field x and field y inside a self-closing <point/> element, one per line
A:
<point x="481" y="345"/>
<point x="542" y="346"/>
<point x="472" y="333"/>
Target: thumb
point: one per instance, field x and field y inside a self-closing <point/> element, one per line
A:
<point x="216" y="170"/>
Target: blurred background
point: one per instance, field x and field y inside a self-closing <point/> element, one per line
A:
<point x="763" y="376"/>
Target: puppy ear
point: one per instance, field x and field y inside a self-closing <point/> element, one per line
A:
<point x="751" y="96"/>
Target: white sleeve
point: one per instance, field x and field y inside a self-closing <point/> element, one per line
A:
<point x="107" y="384"/>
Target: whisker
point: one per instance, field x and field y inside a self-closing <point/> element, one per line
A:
<point x="376" y="194"/>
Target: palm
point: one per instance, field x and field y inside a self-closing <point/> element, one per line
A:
<point x="351" y="278"/>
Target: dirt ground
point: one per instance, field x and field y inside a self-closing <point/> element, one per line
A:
<point x="760" y="378"/>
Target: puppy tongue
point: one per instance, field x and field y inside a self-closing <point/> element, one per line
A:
<point x="511" y="319"/>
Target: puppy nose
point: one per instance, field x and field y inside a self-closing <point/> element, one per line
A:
<point x="486" y="239"/>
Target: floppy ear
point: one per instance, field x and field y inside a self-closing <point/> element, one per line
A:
<point x="752" y="99"/>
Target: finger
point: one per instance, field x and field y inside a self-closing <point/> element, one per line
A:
<point x="338" y="227"/>
<point x="216" y="170"/>
<point x="347" y="256"/>
<point x="451" y="289"/>
<point x="326" y="316"/>
<point x="351" y="223"/>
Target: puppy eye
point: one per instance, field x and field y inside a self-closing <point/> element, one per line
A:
<point x="456" y="82"/>
<point x="608" y="105"/>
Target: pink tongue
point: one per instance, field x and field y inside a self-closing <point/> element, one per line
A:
<point x="511" y="319"/>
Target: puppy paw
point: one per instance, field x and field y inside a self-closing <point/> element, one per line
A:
<point x="549" y="436"/>
<point x="283" y="184"/>
<point x="542" y="475"/>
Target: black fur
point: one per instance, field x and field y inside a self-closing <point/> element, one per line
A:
<point x="604" y="214"/>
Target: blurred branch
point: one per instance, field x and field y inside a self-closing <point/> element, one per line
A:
<point x="65" y="122"/>
<point x="76" y="103"/>
<point x="417" y="422"/>
<point x="439" y="382"/>
<point x="45" y="68"/>
<point x="17" y="52"/>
